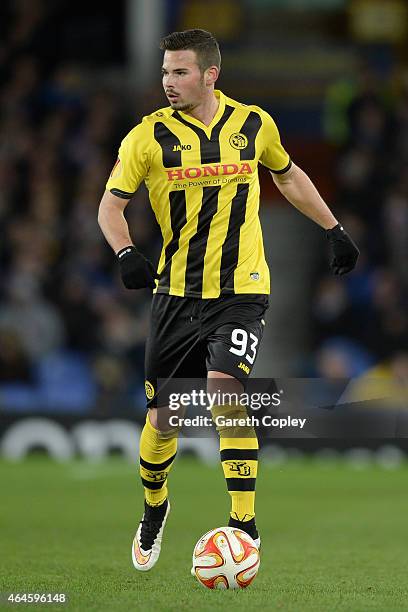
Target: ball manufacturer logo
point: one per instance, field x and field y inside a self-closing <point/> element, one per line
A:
<point x="200" y="546"/>
<point x="149" y="390"/>
<point x="238" y="141"/>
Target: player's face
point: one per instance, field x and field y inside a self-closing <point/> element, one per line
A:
<point x="183" y="82"/>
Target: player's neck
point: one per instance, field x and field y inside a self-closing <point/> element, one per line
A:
<point x="206" y="110"/>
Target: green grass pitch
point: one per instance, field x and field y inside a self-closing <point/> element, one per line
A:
<point x="333" y="538"/>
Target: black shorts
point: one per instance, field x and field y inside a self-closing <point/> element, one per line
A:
<point x="191" y="336"/>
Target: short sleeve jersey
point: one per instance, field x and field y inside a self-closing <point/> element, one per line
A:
<point x="204" y="190"/>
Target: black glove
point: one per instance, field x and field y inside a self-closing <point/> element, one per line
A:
<point x="343" y="252"/>
<point x="136" y="271"/>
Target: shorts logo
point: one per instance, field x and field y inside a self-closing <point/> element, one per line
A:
<point x="241" y="467"/>
<point x="244" y="367"/>
<point x="149" y="390"/>
<point x="238" y="141"/>
<point x="254" y="275"/>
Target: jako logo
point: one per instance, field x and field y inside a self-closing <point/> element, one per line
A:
<point x="181" y="147"/>
<point x="244" y="367"/>
<point x="216" y="170"/>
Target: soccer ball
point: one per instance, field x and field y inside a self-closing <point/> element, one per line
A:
<point x="225" y="558"/>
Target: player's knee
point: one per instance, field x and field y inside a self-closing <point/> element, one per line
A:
<point x="159" y="419"/>
<point x="224" y="383"/>
<point x="231" y="421"/>
<point x="229" y="411"/>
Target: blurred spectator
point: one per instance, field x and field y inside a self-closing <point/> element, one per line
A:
<point x="81" y="319"/>
<point x="340" y="358"/>
<point x="36" y="322"/>
<point x="387" y="381"/>
<point x="59" y="287"/>
<point x="14" y="363"/>
<point x="369" y="306"/>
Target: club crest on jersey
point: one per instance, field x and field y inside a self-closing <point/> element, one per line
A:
<point x="181" y="147"/>
<point x="149" y="390"/>
<point x="238" y="141"/>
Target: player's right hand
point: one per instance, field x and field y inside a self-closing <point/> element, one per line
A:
<point x="136" y="271"/>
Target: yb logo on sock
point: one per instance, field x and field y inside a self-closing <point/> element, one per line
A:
<point x="241" y="467"/>
<point x="156" y="476"/>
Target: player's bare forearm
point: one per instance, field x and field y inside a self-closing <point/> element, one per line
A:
<point x="299" y="190"/>
<point x="112" y="221"/>
<point x="136" y="271"/>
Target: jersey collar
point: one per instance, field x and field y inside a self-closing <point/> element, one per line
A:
<point x="220" y="111"/>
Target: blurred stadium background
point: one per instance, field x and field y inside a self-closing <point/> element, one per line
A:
<point x="75" y="77"/>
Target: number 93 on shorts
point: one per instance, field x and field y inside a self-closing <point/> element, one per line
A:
<point x="190" y="337"/>
<point x="233" y="348"/>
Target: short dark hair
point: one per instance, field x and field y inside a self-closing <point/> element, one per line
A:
<point x="202" y="42"/>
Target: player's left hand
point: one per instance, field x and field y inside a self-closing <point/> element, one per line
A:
<point x="343" y="251"/>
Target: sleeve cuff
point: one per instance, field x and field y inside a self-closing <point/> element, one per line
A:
<point x="285" y="169"/>
<point x="122" y="194"/>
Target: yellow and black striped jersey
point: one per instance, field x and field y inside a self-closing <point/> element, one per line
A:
<point x="204" y="190"/>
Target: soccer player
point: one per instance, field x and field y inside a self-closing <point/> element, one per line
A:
<point x="198" y="158"/>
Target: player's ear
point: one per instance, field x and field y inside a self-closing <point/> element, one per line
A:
<point x="211" y="75"/>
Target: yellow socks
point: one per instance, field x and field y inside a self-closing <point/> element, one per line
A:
<point x="157" y="453"/>
<point x="239" y="458"/>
